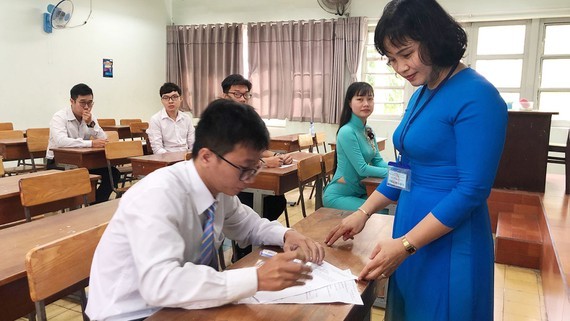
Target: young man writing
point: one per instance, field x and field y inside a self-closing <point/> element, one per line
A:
<point x="159" y="248"/>
<point x="170" y="130"/>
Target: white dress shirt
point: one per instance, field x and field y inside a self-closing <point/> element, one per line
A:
<point x="66" y="131"/>
<point x="167" y="135"/>
<point x="146" y="258"/>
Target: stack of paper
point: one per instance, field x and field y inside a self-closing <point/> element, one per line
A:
<point x="329" y="284"/>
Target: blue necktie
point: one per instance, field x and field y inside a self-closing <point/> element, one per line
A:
<point x="207" y="245"/>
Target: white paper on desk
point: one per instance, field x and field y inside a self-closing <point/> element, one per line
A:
<point x="323" y="287"/>
<point x="285" y="166"/>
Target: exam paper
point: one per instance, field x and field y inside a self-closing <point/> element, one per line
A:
<point x="329" y="284"/>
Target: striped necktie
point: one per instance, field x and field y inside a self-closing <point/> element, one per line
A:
<point x="207" y="245"/>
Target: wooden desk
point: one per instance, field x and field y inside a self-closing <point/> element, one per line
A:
<point x="371" y="183"/>
<point x="144" y="165"/>
<point x="285" y="143"/>
<point x="523" y="163"/>
<point x="352" y="254"/>
<point x="124" y="131"/>
<point x="278" y="181"/>
<point x="11" y="209"/>
<point x="89" y="158"/>
<point x="14" y="149"/>
<point x="15" y="242"/>
<point x="381" y="141"/>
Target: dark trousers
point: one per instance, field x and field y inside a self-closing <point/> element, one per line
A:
<point x="273" y="207"/>
<point x="105" y="188"/>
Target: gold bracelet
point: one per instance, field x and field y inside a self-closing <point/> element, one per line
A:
<point x="363" y="211"/>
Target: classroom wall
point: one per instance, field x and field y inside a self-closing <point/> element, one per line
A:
<point x="39" y="69"/>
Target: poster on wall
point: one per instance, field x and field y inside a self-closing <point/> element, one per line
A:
<point x="107" y="68"/>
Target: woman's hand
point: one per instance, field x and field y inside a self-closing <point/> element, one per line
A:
<point x="348" y="228"/>
<point x="385" y="258"/>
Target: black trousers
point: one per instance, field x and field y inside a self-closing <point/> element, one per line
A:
<point x="105" y="188"/>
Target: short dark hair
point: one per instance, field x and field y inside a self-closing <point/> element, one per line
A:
<point x="442" y="40"/>
<point x="169" y="87"/>
<point x="225" y="124"/>
<point x="235" y="80"/>
<point x="355" y="89"/>
<point x="80" y="90"/>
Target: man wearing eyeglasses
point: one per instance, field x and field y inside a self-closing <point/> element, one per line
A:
<point x="235" y="87"/>
<point x="170" y="130"/>
<point x="160" y="247"/>
<point x="75" y="126"/>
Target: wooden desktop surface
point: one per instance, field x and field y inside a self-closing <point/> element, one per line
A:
<point x="14" y="148"/>
<point x="87" y="157"/>
<point x="144" y="165"/>
<point x="16" y="241"/>
<point x="11" y="209"/>
<point x="351" y="254"/>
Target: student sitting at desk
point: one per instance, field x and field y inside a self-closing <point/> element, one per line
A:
<point x="357" y="155"/>
<point x="170" y="130"/>
<point x="160" y="246"/>
<point x="74" y="127"/>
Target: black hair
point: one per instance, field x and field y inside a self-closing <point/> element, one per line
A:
<point x="225" y="124"/>
<point x="442" y="40"/>
<point x="80" y="90"/>
<point x="169" y="87"/>
<point x="235" y="80"/>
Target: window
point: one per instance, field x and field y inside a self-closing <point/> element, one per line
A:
<point x="390" y="93"/>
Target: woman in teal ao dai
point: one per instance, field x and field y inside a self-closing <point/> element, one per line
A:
<point x="440" y="257"/>
<point x="357" y="155"/>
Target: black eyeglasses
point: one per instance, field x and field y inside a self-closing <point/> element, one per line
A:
<point x="245" y="173"/>
<point x="173" y="98"/>
<point x="84" y="104"/>
<point x="238" y="95"/>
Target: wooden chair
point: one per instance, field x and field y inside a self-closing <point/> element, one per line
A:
<point x="563" y="159"/>
<point x="62" y="265"/>
<point x="37" y="141"/>
<point x="129" y="121"/>
<point x="305" y="142"/>
<point x="53" y="187"/>
<point x="22" y="166"/>
<point x="138" y="130"/>
<point x="320" y="138"/>
<point x="308" y="170"/>
<point x="11" y="134"/>
<point x="188" y="156"/>
<point x="2" y="172"/>
<point x="6" y="126"/>
<point x="106" y="122"/>
<point x="112" y="136"/>
<point x="328" y="167"/>
<point x="118" y="153"/>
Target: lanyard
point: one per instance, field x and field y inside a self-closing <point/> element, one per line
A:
<point x="414" y="114"/>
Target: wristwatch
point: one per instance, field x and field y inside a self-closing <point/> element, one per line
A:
<point x="408" y="246"/>
<point x="91" y="124"/>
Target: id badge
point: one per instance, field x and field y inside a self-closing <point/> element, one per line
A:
<point x="399" y="176"/>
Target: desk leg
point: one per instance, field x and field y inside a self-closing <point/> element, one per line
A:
<point x="319" y="193"/>
<point x="258" y="195"/>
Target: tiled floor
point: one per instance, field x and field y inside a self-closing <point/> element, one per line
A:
<point x="518" y="291"/>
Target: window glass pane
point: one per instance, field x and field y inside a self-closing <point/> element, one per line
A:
<point x="510" y="97"/>
<point x="384" y="80"/>
<point x="501" y="40"/>
<point x="388" y="96"/>
<point x="555" y="73"/>
<point x="556" y="40"/>
<point x="505" y="73"/>
<point x="388" y="109"/>
<point x="378" y="66"/>
<point x="556" y="102"/>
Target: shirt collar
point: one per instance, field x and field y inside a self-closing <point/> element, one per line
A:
<point x="355" y="121"/>
<point x="199" y="193"/>
<point x="164" y="114"/>
<point x="69" y="114"/>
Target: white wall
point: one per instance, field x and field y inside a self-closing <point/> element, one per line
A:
<point x="39" y="69"/>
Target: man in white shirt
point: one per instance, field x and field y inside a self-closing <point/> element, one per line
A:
<point x="152" y="253"/>
<point x="170" y="130"/>
<point x="75" y="126"/>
